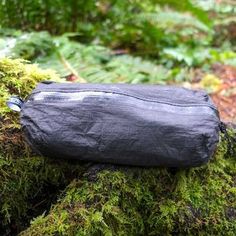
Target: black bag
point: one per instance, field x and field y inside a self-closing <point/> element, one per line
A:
<point x="143" y="125"/>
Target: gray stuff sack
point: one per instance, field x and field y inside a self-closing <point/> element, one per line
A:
<point x="141" y="125"/>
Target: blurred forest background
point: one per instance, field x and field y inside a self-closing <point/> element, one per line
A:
<point x="151" y="41"/>
<point x="191" y="43"/>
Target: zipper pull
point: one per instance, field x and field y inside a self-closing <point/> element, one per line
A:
<point x="229" y="138"/>
<point x="15" y="103"/>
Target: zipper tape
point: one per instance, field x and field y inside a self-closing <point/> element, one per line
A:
<point x="125" y="94"/>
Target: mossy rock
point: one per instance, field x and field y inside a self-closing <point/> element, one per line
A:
<point x="105" y="199"/>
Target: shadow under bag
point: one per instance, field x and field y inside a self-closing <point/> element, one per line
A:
<point x="142" y="125"/>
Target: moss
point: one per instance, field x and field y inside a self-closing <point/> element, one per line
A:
<point x="104" y="199"/>
<point x="133" y="201"/>
<point x="17" y="77"/>
<point x="28" y="184"/>
<point x="28" y="187"/>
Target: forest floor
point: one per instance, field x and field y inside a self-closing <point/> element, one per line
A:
<point x="220" y="82"/>
<point x="225" y="97"/>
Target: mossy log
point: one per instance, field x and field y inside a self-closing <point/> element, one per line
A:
<point x="105" y="199"/>
<point x="28" y="187"/>
<point x="17" y="77"/>
<point x="133" y="201"/>
<point x="28" y="184"/>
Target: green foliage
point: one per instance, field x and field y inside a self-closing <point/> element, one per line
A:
<point x="134" y="24"/>
<point x="187" y="6"/>
<point x="96" y="63"/>
<point x="93" y="63"/>
<point x="172" y="32"/>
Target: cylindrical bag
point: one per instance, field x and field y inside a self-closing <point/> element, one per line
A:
<point x="143" y="125"/>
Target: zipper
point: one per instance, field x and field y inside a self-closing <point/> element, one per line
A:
<point x="50" y="93"/>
